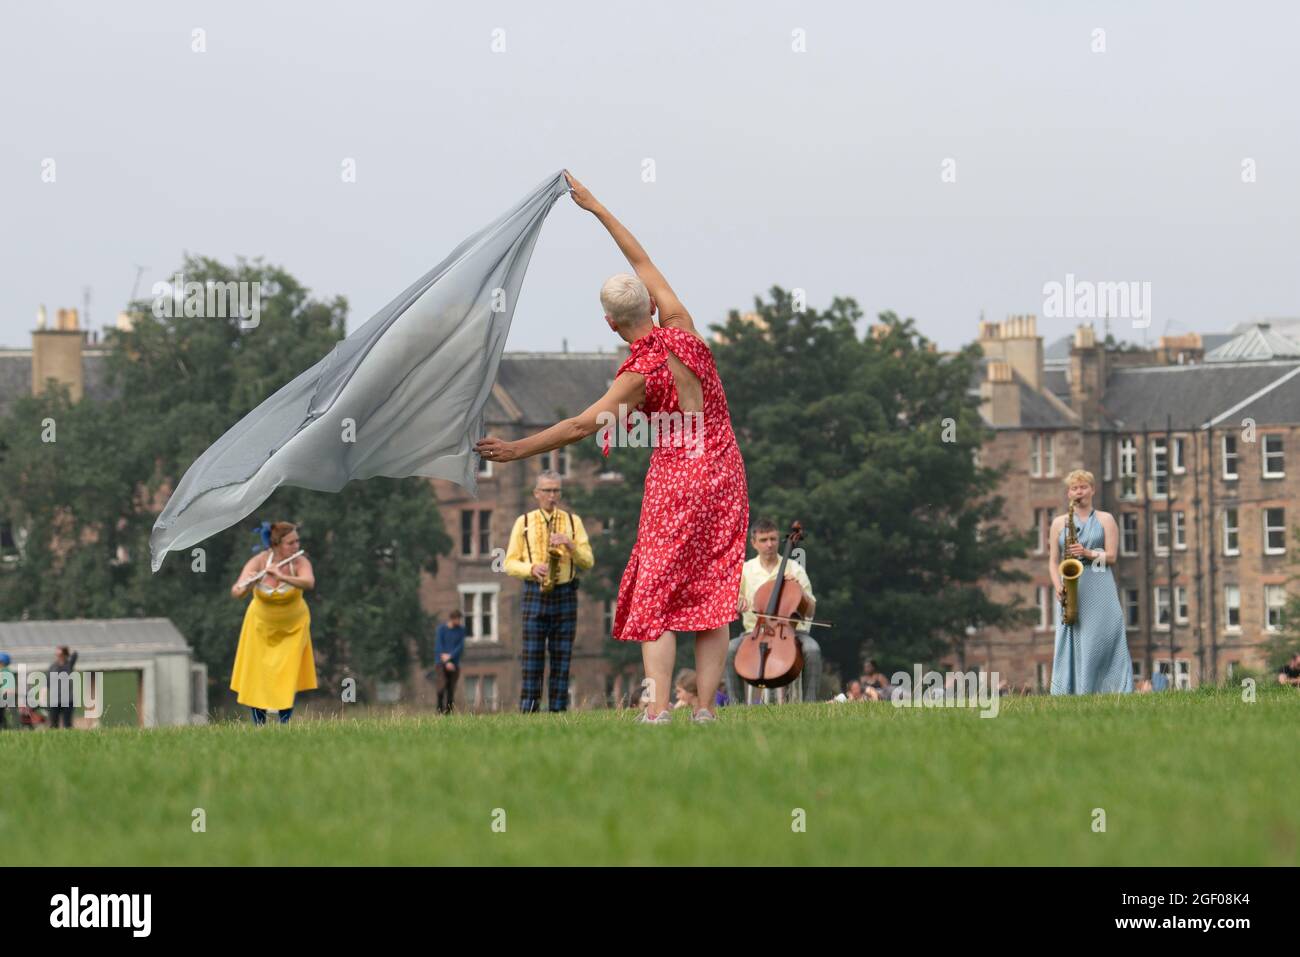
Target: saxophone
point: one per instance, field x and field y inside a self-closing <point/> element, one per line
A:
<point x="1070" y="569"/>
<point x="552" y="562"/>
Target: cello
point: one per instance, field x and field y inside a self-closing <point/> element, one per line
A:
<point x="771" y="656"/>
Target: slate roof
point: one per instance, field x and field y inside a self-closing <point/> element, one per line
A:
<point x="1196" y="394"/>
<point x="1037" y="411"/>
<point x="546" y="386"/>
<point x="148" y="635"/>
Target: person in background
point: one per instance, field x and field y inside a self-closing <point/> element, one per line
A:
<point x="447" y="648"/>
<point x="8" y="692"/>
<point x="688" y="691"/>
<point x="1289" y="673"/>
<point x="60" y="687"/>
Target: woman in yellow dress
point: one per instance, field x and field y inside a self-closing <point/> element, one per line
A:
<point x="274" y="659"/>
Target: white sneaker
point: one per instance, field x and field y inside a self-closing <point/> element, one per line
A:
<point x="663" y="717"/>
<point x="704" y="716"/>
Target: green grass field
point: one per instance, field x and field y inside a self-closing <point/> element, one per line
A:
<point x="1184" y="778"/>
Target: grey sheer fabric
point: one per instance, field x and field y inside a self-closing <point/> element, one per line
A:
<point x="403" y="395"/>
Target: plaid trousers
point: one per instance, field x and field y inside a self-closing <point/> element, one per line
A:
<point x="549" y="623"/>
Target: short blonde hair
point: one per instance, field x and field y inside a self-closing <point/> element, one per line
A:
<point x="1080" y="475"/>
<point x="625" y="299"/>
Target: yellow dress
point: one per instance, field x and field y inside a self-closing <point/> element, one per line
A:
<point x="274" y="658"/>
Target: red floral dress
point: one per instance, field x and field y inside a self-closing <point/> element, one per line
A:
<point x="684" y="572"/>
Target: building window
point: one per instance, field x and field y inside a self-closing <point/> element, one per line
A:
<point x="1231" y="540"/>
<point x="1180" y="448"/>
<point x="1274" y="465"/>
<point x="1132" y="608"/>
<point x="1230" y="457"/>
<point x="1182" y="677"/>
<point x="1160" y="532"/>
<point x="1042" y="518"/>
<point x="484" y="467"/>
<point x="557" y="461"/>
<point x="1162" y="608"/>
<point x="1180" y="604"/>
<point x="467" y="531"/>
<point x="1035" y="455"/>
<point x="608" y="617"/>
<point x="1137" y="669"/>
<point x="1044" y="607"/>
<point x="1232" y="607"/>
<point x="468" y="538"/>
<point x="1180" y="530"/>
<point x="1159" y="468"/>
<point x="1274" y="602"/>
<point x="1106" y="444"/>
<point x="480" y="692"/>
<point x="1128" y="539"/>
<point x="478" y="603"/>
<point x="1274" y="531"/>
<point x="1051" y="454"/>
<point x="1128" y="468"/>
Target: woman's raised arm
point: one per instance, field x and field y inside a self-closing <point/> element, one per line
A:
<point x="672" y="314"/>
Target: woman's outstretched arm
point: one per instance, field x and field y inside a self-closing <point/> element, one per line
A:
<point x="672" y="314"/>
<point x="627" y="392"/>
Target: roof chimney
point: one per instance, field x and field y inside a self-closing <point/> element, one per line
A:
<point x="1000" y="396"/>
<point x="56" y="353"/>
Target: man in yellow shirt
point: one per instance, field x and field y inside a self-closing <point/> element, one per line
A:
<point x="756" y="572"/>
<point x="550" y="617"/>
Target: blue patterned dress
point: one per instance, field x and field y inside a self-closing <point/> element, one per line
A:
<point x="1092" y="654"/>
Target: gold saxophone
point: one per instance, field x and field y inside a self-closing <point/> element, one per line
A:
<point x="1070" y="570"/>
<point x="554" y="553"/>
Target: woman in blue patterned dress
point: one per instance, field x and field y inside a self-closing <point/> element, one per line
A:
<point x="1092" y="654"/>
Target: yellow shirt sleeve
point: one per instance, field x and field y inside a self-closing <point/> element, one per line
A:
<point x="582" y="556"/>
<point x="517" y="564"/>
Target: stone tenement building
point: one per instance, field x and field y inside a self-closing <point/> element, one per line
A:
<point x="1196" y="448"/>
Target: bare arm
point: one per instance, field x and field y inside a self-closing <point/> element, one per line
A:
<point x="672" y="314"/>
<point x="1111" y="545"/>
<point x="1054" y="553"/>
<point x="236" y="591"/>
<point x="627" y="392"/>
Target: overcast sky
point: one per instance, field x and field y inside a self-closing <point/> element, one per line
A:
<point x="821" y="170"/>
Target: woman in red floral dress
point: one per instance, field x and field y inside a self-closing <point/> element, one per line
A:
<point x="684" y="572"/>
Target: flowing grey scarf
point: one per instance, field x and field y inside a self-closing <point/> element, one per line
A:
<point x="402" y="395"/>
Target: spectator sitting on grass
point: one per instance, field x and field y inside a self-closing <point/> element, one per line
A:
<point x="873" y="677"/>
<point x="1289" y="673"/>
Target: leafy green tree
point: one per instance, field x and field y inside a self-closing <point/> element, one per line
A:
<point x="86" y="501"/>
